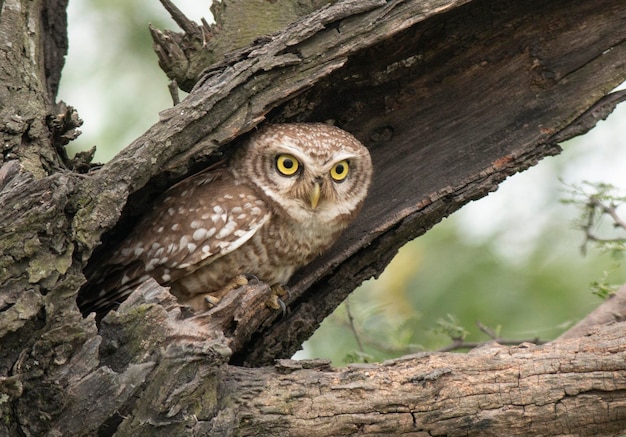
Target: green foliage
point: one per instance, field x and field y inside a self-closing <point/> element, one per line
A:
<point x="440" y="285"/>
<point x="597" y="203"/>
<point x="451" y="327"/>
<point x="602" y="287"/>
<point x="588" y="191"/>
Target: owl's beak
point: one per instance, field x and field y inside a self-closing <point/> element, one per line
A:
<point x="314" y="195"/>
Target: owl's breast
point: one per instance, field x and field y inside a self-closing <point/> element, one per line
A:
<point x="272" y="254"/>
<point x="296" y="244"/>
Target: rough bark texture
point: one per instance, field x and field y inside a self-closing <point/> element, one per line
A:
<point x="451" y="97"/>
<point x="184" y="56"/>
<point x="571" y="387"/>
<point x="493" y="391"/>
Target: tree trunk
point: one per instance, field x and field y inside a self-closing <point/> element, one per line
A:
<point x="450" y="97"/>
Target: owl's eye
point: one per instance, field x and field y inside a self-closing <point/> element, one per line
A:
<point x="340" y="171"/>
<point x="287" y="165"/>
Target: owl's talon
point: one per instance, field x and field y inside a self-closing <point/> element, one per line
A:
<point x="236" y="282"/>
<point x="275" y="303"/>
<point x="283" y="307"/>
<point x="280" y="290"/>
<point x="211" y="301"/>
<point x="252" y="279"/>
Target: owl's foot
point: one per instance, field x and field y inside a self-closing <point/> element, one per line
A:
<point x="252" y="279"/>
<point x="211" y="300"/>
<point x="274" y="301"/>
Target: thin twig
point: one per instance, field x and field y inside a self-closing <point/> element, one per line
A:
<point x="611" y="211"/>
<point x="458" y="343"/>
<point x="487" y="330"/>
<point x="596" y="205"/>
<point x="352" y="326"/>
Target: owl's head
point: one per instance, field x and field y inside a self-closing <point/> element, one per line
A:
<point x="309" y="171"/>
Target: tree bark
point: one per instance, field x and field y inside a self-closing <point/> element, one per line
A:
<point x="450" y="97"/>
<point x="494" y="391"/>
<point x="571" y="387"/>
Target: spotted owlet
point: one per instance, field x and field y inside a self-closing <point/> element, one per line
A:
<point x="281" y="200"/>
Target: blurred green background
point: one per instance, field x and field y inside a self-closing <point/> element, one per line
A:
<point x="511" y="260"/>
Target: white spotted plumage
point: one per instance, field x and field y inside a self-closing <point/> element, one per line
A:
<point x="244" y="218"/>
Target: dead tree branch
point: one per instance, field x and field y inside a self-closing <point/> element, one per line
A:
<point x="451" y="97"/>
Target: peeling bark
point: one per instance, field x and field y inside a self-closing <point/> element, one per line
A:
<point x="465" y="92"/>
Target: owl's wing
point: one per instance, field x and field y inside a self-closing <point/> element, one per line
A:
<point x="199" y="220"/>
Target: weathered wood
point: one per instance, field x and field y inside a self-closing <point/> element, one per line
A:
<point x="184" y="56"/>
<point x="493" y="391"/>
<point x="450" y="96"/>
<point x="570" y="387"/>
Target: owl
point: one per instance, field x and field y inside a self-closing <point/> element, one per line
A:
<point x="283" y="198"/>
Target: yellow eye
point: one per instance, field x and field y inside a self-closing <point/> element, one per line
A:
<point x="287" y="165"/>
<point x="340" y="171"/>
